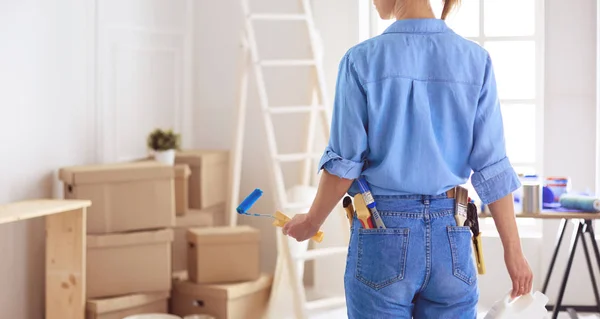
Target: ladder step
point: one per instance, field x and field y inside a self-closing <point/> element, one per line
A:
<point x="297" y="157"/>
<point x="293" y="206"/>
<point x="330" y="302"/>
<point x="295" y="109"/>
<point x="321" y="252"/>
<point x="278" y="63"/>
<point x="278" y="17"/>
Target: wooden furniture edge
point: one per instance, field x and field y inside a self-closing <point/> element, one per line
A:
<point x="29" y="209"/>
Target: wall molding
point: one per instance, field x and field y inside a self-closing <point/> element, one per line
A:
<point x="114" y="38"/>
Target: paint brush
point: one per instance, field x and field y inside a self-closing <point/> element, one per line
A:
<point x="280" y="218"/>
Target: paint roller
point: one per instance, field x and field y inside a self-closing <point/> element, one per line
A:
<point x="580" y="202"/>
<point x="280" y="218"/>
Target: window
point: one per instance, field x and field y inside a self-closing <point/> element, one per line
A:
<point x="512" y="32"/>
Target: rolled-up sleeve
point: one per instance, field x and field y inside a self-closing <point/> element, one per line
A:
<point x="346" y="151"/>
<point x="493" y="175"/>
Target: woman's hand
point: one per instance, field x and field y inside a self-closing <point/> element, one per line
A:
<point x="330" y="192"/>
<point x="520" y="273"/>
<point x="301" y="227"/>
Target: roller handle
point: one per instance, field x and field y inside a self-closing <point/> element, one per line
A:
<point x="281" y="219"/>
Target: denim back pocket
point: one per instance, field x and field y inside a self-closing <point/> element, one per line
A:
<point x="463" y="265"/>
<point x="381" y="256"/>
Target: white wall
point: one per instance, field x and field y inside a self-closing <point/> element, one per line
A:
<point x="49" y="117"/>
<point x="46" y="121"/>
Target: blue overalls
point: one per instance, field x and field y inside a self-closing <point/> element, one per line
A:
<point x="416" y="111"/>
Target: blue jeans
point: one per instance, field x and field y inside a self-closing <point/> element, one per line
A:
<point x="421" y="266"/>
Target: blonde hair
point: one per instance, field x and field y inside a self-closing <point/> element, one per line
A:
<point x="449" y="5"/>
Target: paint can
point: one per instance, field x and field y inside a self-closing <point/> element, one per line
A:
<point x="532" y="198"/>
<point x="558" y="186"/>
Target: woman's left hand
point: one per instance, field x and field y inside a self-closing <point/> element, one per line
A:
<point x="301" y="227"/>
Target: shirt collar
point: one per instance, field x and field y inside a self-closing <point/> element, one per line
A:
<point x="430" y="25"/>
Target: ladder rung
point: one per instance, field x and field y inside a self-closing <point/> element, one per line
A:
<point x="321" y="252"/>
<point x="330" y="302"/>
<point x="293" y="206"/>
<point x="275" y="63"/>
<point x="294" y="109"/>
<point x="278" y="17"/>
<point x="297" y="157"/>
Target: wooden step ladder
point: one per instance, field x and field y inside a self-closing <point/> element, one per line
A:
<point x="318" y="111"/>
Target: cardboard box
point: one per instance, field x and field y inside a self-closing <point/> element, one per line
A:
<point x="194" y="219"/>
<point x="129" y="263"/>
<point x="182" y="175"/>
<point x="223" y="254"/>
<point x="210" y="176"/>
<point x="123" y="306"/>
<point x="248" y="300"/>
<point x="125" y="197"/>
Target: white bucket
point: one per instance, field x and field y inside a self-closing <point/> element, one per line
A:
<point x="528" y="306"/>
<point x="153" y="316"/>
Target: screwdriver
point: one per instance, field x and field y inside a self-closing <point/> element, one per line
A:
<point x="370" y="201"/>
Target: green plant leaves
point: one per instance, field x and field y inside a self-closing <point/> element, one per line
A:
<point x="163" y="140"/>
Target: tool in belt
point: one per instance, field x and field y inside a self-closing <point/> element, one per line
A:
<point x="370" y="202"/>
<point x="465" y="214"/>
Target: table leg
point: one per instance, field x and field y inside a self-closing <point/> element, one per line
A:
<point x="576" y="232"/>
<point x="590" y="230"/>
<point x="65" y="265"/>
<point x="590" y="267"/>
<point x="561" y="234"/>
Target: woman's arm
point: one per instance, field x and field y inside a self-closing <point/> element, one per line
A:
<point x="495" y="180"/>
<point x="503" y="212"/>
<point x="344" y="157"/>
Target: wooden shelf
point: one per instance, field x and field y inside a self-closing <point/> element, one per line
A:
<point x="37" y="208"/>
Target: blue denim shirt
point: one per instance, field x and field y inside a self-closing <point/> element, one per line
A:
<point x="416" y="111"/>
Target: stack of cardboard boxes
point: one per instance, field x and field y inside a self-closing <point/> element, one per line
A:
<point x="222" y="264"/>
<point x="203" y="176"/>
<point x="135" y="241"/>
<point x="129" y="227"/>
<point x="224" y="275"/>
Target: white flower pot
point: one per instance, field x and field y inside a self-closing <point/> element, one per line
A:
<point x="165" y="157"/>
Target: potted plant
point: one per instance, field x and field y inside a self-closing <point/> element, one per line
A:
<point x="164" y="143"/>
